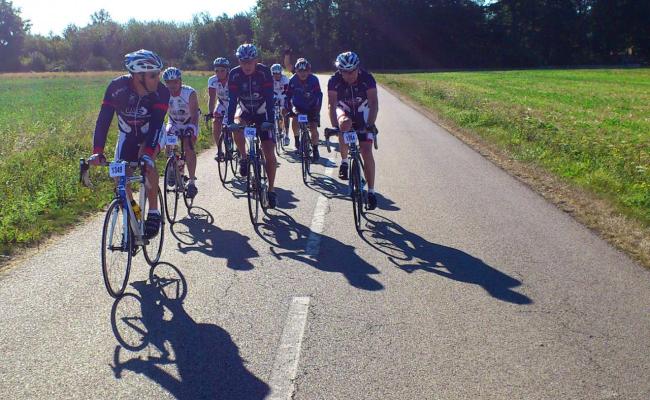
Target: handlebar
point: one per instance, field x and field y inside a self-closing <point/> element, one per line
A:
<point x="84" y="170"/>
<point x="335" y="131"/>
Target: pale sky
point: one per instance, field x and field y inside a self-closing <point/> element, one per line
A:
<point x="55" y="15"/>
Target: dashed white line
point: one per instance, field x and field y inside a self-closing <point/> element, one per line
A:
<point x="285" y="365"/>
<point x="317" y="222"/>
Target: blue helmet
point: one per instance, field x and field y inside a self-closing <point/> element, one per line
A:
<point x="246" y="51"/>
<point x="276" y="69"/>
<point x="172" y="73"/>
<point x="302" y="64"/>
<point x="143" y="61"/>
<point x="347" y="61"/>
<point x="221" y="62"/>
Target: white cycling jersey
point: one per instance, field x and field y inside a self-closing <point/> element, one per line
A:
<point x="179" y="110"/>
<point x="280" y="88"/>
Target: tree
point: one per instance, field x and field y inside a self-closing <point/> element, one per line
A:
<point x="12" y="35"/>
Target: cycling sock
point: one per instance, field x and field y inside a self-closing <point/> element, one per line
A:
<point x="371" y="191"/>
<point x="157" y="212"/>
<point x="344" y="162"/>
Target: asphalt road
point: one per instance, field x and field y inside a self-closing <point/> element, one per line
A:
<point x="463" y="284"/>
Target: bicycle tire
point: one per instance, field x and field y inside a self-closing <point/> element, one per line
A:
<point x="305" y="144"/>
<point x="159" y="239"/>
<point x="170" y="194"/>
<point x="114" y="214"/>
<point x="223" y="165"/>
<point x="252" y="192"/>
<point x="357" y="196"/>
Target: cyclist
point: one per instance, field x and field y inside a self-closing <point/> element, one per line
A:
<point x="183" y="121"/>
<point x="353" y="105"/>
<point x="305" y="97"/>
<point x="140" y="101"/>
<point x="218" y="98"/>
<point x="280" y="85"/>
<point x="251" y="101"/>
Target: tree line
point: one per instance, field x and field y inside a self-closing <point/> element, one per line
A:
<point x="388" y="34"/>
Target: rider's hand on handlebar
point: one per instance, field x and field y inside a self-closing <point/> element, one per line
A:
<point x="97" y="159"/>
<point x="266" y="126"/>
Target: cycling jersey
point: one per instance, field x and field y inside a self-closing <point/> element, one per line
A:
<point x="252" y="94"/>
<point x="140" y="119"/>
<point x="179" y="111"/>
<point x="179" y="107"/>
<point x="280" y="87"/>
<point x="305" y="96"/>
<point x="353" y="99"/>
<point x="221" y="89"/>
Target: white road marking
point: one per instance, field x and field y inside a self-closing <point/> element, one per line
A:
<point x="285" y="365"/>
<point x="317" y="222"/>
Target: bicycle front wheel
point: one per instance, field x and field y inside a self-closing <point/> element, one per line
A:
<point x="253" y="191"/>
<point x="170" y="192"/>
<point x="116" y="255"/>
<point x="223" y="164"/>
<point x="357" y="195"/>
<point x="305" y="144"/>
<point x="153" y="249"/>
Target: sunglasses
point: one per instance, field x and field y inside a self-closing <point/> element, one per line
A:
<point x="220" y="70"/>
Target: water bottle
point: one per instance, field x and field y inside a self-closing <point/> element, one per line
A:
<point x="136" y="210"/>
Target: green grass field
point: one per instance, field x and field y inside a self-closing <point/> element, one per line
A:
<point x="45" y="127"/>
<point x="590" y="127"/>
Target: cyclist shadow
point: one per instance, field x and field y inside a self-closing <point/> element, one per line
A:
<point x="328" y="186"/>
<point x="285" y="199"/>
<point x="411" y="252"/>
<point x="322" y="252"/>
<point x="197" y="233"/>
<point x="190" y="360"/>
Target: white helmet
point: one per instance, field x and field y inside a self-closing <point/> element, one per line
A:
<point x="171" y="73"/>
<point x="276" y="69"/>
<point x="347" y="61"/>
<point x="143" y="61"/>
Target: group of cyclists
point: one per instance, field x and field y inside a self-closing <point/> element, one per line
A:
<point x="238" y="97"/>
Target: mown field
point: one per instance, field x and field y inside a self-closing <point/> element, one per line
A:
<point x="46" y="125"/>
<point x="590" y="127"/>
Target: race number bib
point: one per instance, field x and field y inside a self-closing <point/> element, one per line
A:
<point x="172" y="140"/>
<point x="116" y="169"/>
<point x="250" y="133"/>
<point x="302" y="118"/>
<point x="349" y="137"/>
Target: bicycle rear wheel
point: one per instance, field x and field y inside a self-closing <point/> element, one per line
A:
<point x="116" y="255"/>
<point x="223" y="164"/>
<point x="171" y="192"/>
<point x="357" y="195"/>
<point x="253" y="190"/>
<point x="153" y="249"/>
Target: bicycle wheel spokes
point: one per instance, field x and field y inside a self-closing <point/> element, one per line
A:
<point x="153" y="249"/>
<point x="253" y="191"/>
<point x="170" y="192"/>
<point x="116" y="253"/>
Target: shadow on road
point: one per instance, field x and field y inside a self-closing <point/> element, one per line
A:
<point x="197" y="233"/>
<point x="289" y="239"/>
<point x="411" y="252"/>
<point x="160" y="341"/>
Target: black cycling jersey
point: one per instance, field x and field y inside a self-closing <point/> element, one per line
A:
<point x="140" y="116"/>
<point x="253" y="93"/>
